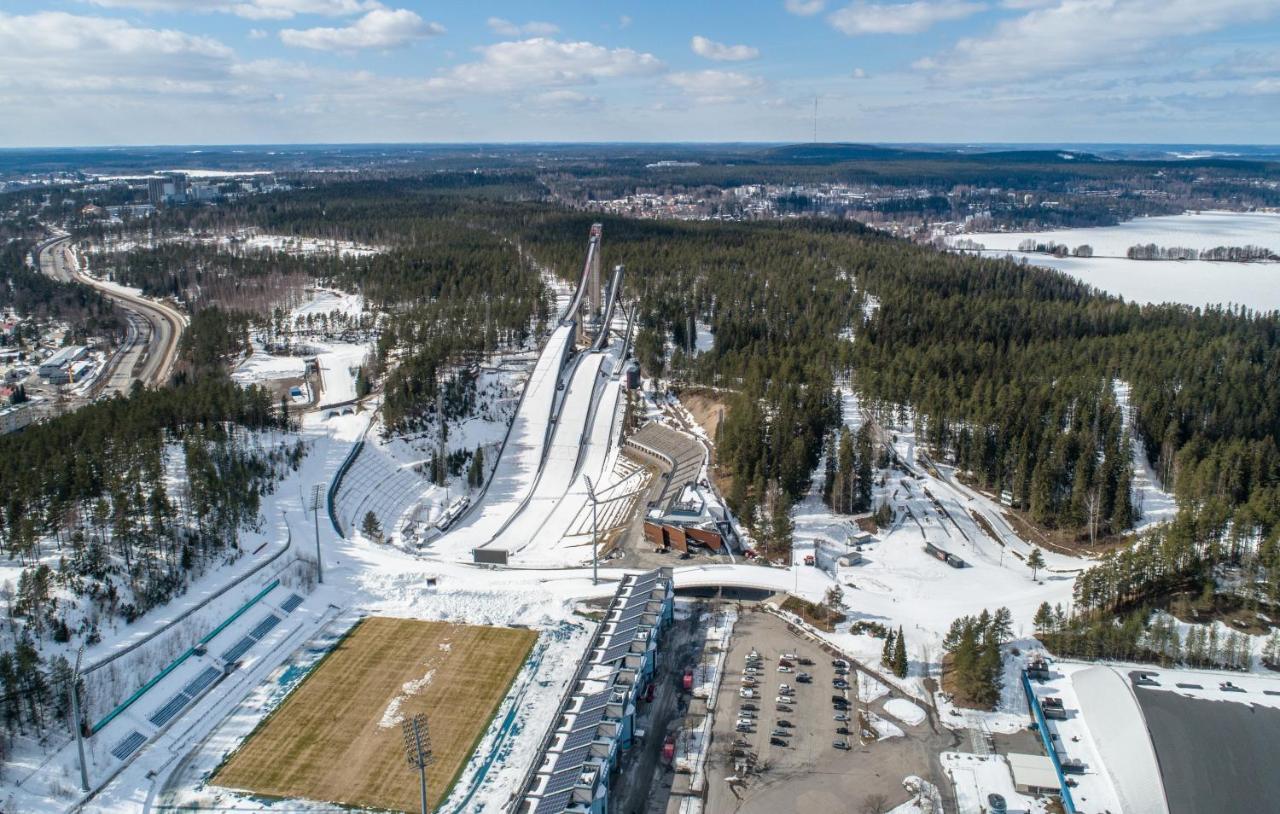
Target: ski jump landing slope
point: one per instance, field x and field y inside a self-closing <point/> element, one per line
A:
<point x="521" y="458"/>
<point x="546" y="545"/>
<point x="561" y="460"/>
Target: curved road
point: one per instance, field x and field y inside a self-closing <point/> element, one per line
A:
<point x="156" y="347"/>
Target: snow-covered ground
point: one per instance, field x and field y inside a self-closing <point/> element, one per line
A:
<point x="976" y="776"/>
<point x="1153" y="504"/>
<point x="898" y="584"/>
<point x="1193" y="282"/>
<point x="1203" y="230"/>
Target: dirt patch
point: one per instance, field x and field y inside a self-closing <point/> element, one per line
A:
<point x="708" y="408"/>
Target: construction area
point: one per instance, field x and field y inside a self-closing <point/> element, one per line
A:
<point x="337" y="737"/>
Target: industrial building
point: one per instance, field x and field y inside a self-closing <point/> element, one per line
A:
<point x="595" y="725"/>
<point x="61" y="360"/>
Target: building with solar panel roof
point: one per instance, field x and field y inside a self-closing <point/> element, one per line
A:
<point x="596" y="720"/>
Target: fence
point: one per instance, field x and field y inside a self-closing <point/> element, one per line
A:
<point x="1047" y="739"/>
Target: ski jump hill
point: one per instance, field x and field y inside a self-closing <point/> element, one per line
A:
<point x="564" y="428"/>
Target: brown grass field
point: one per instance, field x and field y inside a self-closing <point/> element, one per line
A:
<point x="326" y="740"/>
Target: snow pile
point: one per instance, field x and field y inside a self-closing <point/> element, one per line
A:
<point x="869" y="689"/>
<point x="392" y="716"/>
<point x="904" y="711"/>
<point x="884" y="729"/>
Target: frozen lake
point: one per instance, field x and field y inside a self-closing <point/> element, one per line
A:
<point x="1197" y="282"/>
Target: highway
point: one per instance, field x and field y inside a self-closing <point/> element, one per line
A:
<point x="154" y="327"/>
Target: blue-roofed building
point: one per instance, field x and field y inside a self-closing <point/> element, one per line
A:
<point x="596" y="721"/>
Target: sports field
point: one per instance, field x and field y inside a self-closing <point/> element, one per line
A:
<point x="337" y="736"/>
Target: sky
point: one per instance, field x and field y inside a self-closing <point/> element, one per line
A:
<point x="125" y="72"/>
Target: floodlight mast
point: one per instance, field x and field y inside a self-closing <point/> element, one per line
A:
<point x="417" y="749"/>
<point x="595" y="537"/>
<point x="315" y="520"/>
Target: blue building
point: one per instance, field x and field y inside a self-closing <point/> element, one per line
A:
<point x="596" y="721"/>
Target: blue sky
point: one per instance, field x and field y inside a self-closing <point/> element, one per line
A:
<point x="78" y="72"/>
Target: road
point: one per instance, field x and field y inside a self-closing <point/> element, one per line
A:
<point x="151" y="343"/>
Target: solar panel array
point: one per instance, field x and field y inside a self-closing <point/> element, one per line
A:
<point x="291" y="604"/>
<point x="128" y="745"/>
<point x="554" y="803"/>
<point x="171" y="708"/>
<point x="558" y="791"/>
<point x="264" y="627"/>
<point x="201" y="681"/>
<point x="238" y="649"/>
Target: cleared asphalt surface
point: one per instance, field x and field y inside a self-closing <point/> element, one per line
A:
<point x="1214" y="755"/>
<point x="161" y="340"/>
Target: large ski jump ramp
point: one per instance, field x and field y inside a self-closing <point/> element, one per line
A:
<point x="516" y="474"/>
<point x="561" y="461"/>
<point x="546" y="545"/>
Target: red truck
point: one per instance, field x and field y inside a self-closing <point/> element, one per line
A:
<point x="669" y="749"/>
<point x="688" y="679"/>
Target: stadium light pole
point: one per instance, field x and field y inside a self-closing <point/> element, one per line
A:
<point x="75" y="720"/>
<point x="595" y="537"/>
<point x="315" y="519"/>
<point x="417" y="749"/>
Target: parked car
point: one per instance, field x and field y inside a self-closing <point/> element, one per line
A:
<point x="779" y="732"/>
<point x="839" y="699"/>
<point x="782" y="708"/>
<point x="840" y="663"/>
<point x="842" y="730"/>
<point x="745" y="714"/>
<point x="777" y="742"/>
<point x="841" y="745"/>
<point x="784" y="699"/>
<point x="840" y="716"/>
<point x="782" y="668"/>
<point x="750" y="706"/>
<point x="840" y="684"/>
<point x="785" y="723"/>
<point x="996" y="803"/>
<point x="804" y="661"/>
<point x="745" y="728"/>
<point x="747" y="692"/>
<point x="789" y="656"/>
<point x="784" y="687"/>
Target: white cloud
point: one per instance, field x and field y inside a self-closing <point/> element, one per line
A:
<point x="714" y="87"/>
<point x="380" y="28"/>
<point x="806" y="8"/>
<point x="861" y="17"/>
<point x="539" y="61"/>
<point x="249" y="9"/>
<point x="859" y="73"/>
<point x="1083" y="35"/>
<point x="720" y="52"/>
<point x="95" y="54"/>
<point x="533" y="28"/>
<point x="564" y="100"/>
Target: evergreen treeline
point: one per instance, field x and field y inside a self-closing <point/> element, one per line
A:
<point x="850" y="471"/>
<point x="974" y="663"/>
<point x="30" y="293"/>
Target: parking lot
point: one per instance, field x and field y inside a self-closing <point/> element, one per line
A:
<point x="788" y="763"/>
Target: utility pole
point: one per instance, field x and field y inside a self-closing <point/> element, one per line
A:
<point x="315" y="518"/>
<point x="75" y="720"/>
<point x="417" y="749"/>
<point x="442" y="473"/>
<point x="595" y="537"/>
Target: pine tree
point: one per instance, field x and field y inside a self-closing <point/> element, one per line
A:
<point x="1043" y="619"/>
<point x="886" y="652"/>
<point x="900" y="664"/>
<point x="371" y="528"/>
<point x="1035" y="561"/>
